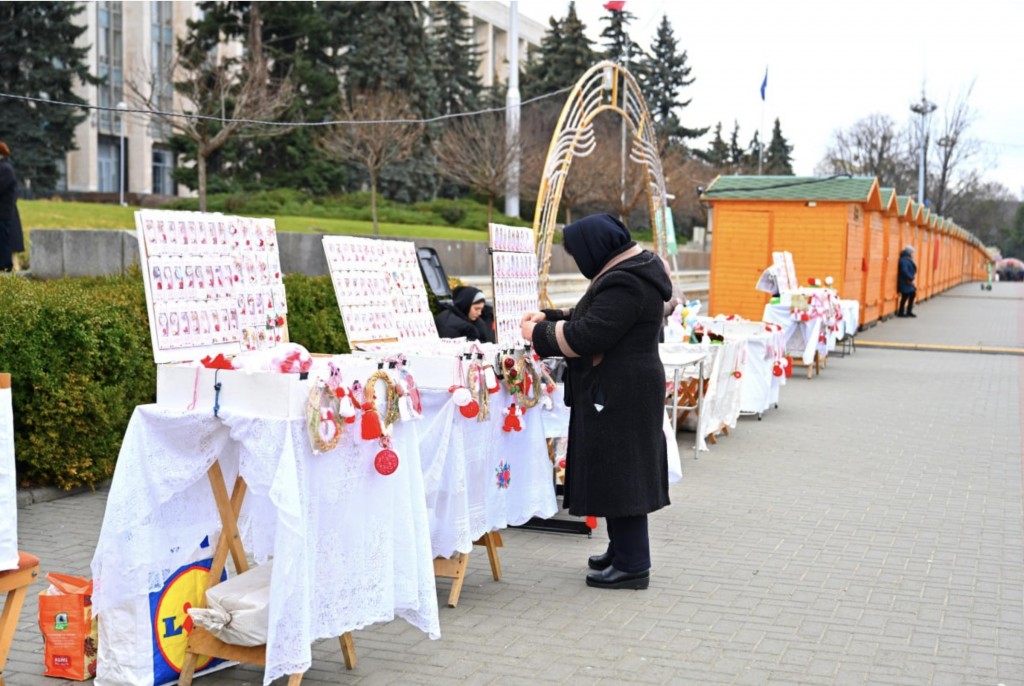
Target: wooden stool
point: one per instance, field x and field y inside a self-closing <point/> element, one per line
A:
<point x="14" y="583"/>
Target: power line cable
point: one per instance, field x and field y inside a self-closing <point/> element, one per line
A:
<point x="183" y="115"/>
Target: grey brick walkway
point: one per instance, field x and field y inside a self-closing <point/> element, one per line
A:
<point x="867" y="532"/>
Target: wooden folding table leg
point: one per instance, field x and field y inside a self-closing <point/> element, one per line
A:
<point x="492" y="541"/>
<point x="453" y="568"/>
<point x="348" y="650"/>
<point x="229" y="541"/>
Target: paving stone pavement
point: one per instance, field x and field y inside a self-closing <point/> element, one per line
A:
<point x="868" y="531"/>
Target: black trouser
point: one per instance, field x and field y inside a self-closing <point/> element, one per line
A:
<point x="628" y="543"/>
<point x="906" y="303"/>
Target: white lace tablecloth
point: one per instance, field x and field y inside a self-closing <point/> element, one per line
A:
<point x="721" y="403"/>
<point x="760" y="387"/>
<point x="350" y="547"/>
<point x="851" y="317"/>
<point x="802" y="338"/>
<point x="462" y="462"/>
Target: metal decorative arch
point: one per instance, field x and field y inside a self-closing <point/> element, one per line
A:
<point x="604" y="87"/>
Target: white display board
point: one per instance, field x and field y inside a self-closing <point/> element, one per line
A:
<point x="515" y="280"/>
<point x="380" y="290"/>
<point x="213" y="284"/>
<point x="8" y="480"/>
<point x="785" y="272"/>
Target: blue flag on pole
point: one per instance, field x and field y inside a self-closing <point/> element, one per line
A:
<point x="764" y="84"/>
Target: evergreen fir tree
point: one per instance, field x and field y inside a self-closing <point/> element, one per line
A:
<point x="753" y="154"/>
<point x="619" y="47"/>
<point x="665" y="74"/>
<point x="777" y="158"/>
<point x="391" y="51"/>
<point x="565" y="54"/>
<point x="457" y="58"/>
<point x="304" y="42"/>
<point x="717" y="153"/>
<point x="735" y="151"/>
<point x="42" y="59"/>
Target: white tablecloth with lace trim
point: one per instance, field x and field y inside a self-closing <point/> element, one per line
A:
<point x="350" y="547"/>
<point x="464" y="465"/>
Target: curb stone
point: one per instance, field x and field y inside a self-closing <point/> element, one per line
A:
<point x="43" y="494"/>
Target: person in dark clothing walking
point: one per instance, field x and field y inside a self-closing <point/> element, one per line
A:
<point x="617" y="462"/>
<point x="11" y="238"/>
<point x="907" y="270"/>
<point x="463" y="317"/>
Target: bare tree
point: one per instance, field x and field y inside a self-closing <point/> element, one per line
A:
<point x="872" y="147"/>
<point x="372" y="133"/>
<point x="955" y="150"/>
<point x="230" y="98"/>
<point x="474" y="151"/>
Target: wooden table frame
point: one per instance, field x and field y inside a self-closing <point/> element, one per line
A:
<point x="454" y="567"/>
<point x="201" y="641"/>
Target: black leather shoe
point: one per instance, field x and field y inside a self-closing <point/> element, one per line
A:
<point x="911" y="314"/>
<point x="599" y="562"/>
<point x="900" y="314"/>
<point x="614" y="578"/>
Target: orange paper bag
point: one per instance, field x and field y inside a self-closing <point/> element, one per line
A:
<point x="68" y="627"/>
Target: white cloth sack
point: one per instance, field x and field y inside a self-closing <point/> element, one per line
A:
<point x="675" y="467"/>
<point x="238" y="610"/>
<point x="8" y="490"/>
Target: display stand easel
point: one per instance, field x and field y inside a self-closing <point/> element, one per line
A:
<point x="814" y="368"/>
<point x="201" y="641"/>
<point x="454" y="567"/>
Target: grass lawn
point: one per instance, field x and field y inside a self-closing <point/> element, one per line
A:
<point x="49" y="214"/>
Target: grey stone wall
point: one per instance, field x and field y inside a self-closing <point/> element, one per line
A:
<point x="98" y="252"/>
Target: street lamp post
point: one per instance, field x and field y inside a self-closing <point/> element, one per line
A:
<point x="121" y="108"/>
<point x="924" y="108"/>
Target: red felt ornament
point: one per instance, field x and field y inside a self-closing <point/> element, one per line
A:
<point x="386" y="462"/>
<point x="470" y="409"/>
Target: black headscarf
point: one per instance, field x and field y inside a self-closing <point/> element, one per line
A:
<point x="594" y="240"/>
<point x="463" y="298"/>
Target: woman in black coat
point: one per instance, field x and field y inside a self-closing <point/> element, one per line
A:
<point x="906" y="272"/>
<point x="465" y="316"/>
<point x="11" y="238"/>
<point x="617" y="464"/>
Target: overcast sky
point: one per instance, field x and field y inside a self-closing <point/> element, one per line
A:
<point x="831" y="63"/>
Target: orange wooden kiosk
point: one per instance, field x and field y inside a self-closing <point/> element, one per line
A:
<point x="840" y="226"/>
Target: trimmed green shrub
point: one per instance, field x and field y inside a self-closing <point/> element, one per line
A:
<point x="314" y="319"/>
<point x="80" y="358"/>
<point x="79" y="355"/>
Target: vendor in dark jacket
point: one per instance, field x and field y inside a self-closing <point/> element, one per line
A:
<point x="11" y="238"/>
<point x="617" y="464"/>
<point x="463" y="316"/>
<point x="907" y="270"/>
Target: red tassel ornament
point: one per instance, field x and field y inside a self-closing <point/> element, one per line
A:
<point x="371" y="428"/>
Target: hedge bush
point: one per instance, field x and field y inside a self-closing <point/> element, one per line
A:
<point x="79" y="355"/>
<point x="464" y="213"/>
<point x="80" y="359"/>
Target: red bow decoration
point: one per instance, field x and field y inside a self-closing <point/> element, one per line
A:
<point x="219" y="362"/>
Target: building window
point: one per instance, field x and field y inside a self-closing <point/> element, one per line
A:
<point x="163" y="165"/>
<point x="110" y="67"/>
<point x="162" y="62"/>
<point x="108" y="155"/>
<point x="62" y="175"/>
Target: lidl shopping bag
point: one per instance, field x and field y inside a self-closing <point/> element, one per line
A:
<point x="143" y="640"/>
<point x="68" y="627"/>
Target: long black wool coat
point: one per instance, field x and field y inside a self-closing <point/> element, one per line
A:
<point x="617" y="464"/>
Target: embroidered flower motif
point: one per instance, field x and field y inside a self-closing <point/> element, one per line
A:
<point x="503" y="474"/>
